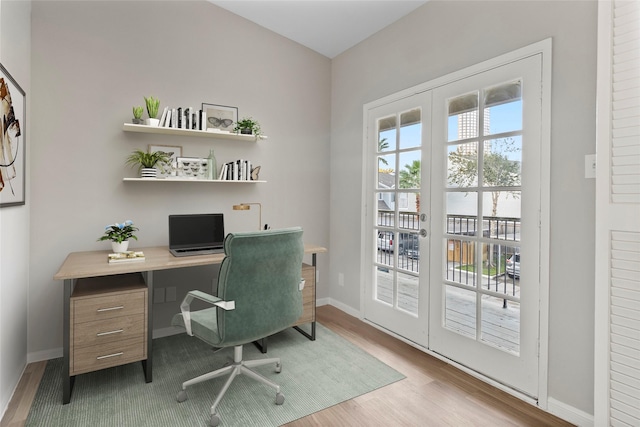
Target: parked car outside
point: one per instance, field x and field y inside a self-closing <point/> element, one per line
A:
<point x="411" y="246"/>
<point x="513" y="265"/>
<point x="385" y="241"/>
<point x="408" y="244"/>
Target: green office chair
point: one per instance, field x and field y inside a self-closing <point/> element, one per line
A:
<point x="259" y="294"/>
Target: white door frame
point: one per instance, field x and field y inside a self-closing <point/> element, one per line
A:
<point x="544" y="48"/>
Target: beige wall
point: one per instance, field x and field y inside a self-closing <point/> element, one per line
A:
<point x="443" y="37"/>
<point x="92" y="61"/>
<point x="15" y="43"/>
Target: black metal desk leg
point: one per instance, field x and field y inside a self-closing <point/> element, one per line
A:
<point x="67" y="381"/>
<point x="147" y="365"/>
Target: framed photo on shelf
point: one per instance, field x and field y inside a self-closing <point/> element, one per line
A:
<point x="13" y="112"/>
<point x="192" y="167"/>
<point x="167" y="169"/>
<point x="220" y="117"/>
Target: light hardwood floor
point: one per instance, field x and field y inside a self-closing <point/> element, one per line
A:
<point x="432" y="394"/>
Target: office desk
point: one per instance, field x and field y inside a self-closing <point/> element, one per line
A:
<point x="93" y="269"/>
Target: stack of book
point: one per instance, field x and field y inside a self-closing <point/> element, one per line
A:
<point x="239" y="170"/>
<point x="183" y="118"/>
<point x="128" y="256"/>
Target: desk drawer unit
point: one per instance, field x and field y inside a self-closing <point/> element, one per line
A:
<point x="108" y="322"/>
<point x="308" y="295"/>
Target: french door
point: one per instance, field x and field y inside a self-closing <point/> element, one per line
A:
<point x="398" y="252"/>
<point x="453" y="235"/>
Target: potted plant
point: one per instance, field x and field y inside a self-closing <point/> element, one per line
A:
<point x="248" y="126"/>
<point x="146" y="161"/>
<point x="153" y="104"/>
<point x="137" y="115"/>
<point x="119" y="235"/>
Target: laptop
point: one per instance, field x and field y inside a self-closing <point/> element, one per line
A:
<point x="196" y="234"/>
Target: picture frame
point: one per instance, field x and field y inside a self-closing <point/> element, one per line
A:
<point x="13" y="113"/>
<point x="220" y="118"/>
<point x="167" y="169"/>
<point x="192" y="167"/>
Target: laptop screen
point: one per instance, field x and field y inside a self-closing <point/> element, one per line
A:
<point x="196" y="231"/>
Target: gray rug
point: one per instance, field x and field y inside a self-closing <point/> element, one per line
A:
<point x="315" y="375"/>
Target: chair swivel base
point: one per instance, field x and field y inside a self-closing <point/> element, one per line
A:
<point x="238" y="367"/>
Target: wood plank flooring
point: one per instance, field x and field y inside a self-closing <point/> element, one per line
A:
<point x="432" y="394"/>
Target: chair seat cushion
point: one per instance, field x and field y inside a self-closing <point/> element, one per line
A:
<point x="204" y="325"/>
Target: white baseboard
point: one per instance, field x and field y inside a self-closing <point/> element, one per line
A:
<point x="167" y="332"/>
<point x="569" y="413"/>
<point x="38" y="356"/>
<point x="337" y="304"/>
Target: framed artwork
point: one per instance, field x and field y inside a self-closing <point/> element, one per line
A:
<point x="192" y="167"/>
<point x="13" y="112"/>
<point x="167" y="169"/>
<point x="220" y="117"/>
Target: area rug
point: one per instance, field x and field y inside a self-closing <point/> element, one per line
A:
<point x="315" y="375"/>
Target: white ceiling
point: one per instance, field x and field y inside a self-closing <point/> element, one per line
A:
<point x="327" y="26"/>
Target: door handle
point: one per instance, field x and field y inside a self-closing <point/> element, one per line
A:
<point x="423" y="232"/>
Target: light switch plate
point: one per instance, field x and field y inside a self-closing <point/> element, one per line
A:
<point x="590" y="166"/>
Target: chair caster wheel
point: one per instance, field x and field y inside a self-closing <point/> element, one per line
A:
<point x="278" y="368"/>
<point x="215" y="420"/>
<point x="182" y="396"/>
<point x="279" y="398"/>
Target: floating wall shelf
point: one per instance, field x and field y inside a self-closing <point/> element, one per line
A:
<point x="209" y="181"/>
<point x="129" y="127"/>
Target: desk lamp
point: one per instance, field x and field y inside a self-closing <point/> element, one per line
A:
<point x="246" y="207"/>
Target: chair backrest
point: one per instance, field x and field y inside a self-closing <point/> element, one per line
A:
<point x="261" y="272"/>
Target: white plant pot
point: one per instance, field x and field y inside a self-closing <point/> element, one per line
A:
<point x="148" y="173"/>
<point x="119" y="247"/>
<point x="153" y="122"/>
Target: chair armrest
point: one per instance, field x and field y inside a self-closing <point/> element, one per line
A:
<point x="202" y="296"/>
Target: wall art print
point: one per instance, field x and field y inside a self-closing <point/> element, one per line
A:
<point x="13" y="111"/>
<point x="220" y="117"/>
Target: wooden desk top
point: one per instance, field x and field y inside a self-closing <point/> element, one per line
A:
<point x="95" y="263"/>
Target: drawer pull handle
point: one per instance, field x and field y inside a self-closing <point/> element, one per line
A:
<point x="101" y="334"/>
<point x="120" y="307"/>
<point x="109" y="355"/>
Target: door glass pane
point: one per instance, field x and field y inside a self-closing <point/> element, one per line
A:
<point x="384" y="285"/>
<point x="503" y="162"/>
<point x="410" y="129"/>
<point x="462" y="204"/>
<point x="387" y="171"/>
<point x="387" y="134"/>
<point x="409" y="256"/>
<point x="503" y="108"/>
<point x="385" y="239"/>
<point x="460" y="261"/>
<point x="460" y="311"/>
<point x="500" y="325"/>
<point x="408" y="217"/>
<point x="463" y="117"/>
<point x="409" y="175"/>
<point x="408" y="293"/>
<point x="501" y="205"/>
<point x="385" y="204"/>
<point x="462" y="165"/>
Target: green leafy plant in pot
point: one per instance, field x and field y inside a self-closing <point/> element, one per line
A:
<point x="137" y="115"/>
<point x="146" y="161"/>
<point x="248" y="126"/>
<point x="153" y="105"/>
<point x="119" y="234"/>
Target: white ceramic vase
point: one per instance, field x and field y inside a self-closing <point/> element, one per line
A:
<point x="119" y="247"/>
<point x="153" y="122"/>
